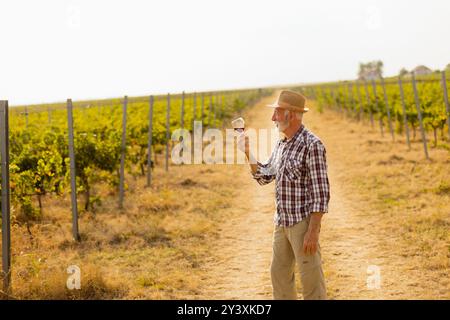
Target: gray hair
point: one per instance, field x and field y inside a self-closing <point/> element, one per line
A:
<point x="298" y="115"/>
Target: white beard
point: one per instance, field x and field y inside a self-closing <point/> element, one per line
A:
<point x="281" y="126"/>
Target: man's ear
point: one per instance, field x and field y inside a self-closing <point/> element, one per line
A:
<point x="291" y="115"/>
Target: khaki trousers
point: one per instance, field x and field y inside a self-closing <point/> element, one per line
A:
<point x="288" y="249"/>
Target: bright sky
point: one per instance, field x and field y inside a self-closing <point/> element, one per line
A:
<point x="55" y="49"/>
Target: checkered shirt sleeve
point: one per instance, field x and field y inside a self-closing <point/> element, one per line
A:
<point x="319" y="184"/>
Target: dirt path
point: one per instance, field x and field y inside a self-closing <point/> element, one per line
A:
<point x="239" y="267"/>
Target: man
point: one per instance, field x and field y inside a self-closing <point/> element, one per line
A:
<point x="298" y="166"/>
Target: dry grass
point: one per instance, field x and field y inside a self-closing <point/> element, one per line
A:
<point x="150" y="250"/>
<point x="402" y="200"/>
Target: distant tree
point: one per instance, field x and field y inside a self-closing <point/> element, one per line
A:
<point x="370" y="70"/>
<point x="361" y="71"/>
<point x="448" y="67"/>
<point x="379" y="67"/>
<point x="403" y="72"/>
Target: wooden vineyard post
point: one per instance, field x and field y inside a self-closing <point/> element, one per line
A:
<point x="405" y="122"/>
<point x="5" y="196"/>
<point x="210" y="110"/>
<point x="73" y="185"/>
<point x="219" y="112"/>
<point x="380" y="116"/>
<point x="213" y="108"/>
<point x="344" y="99"/>
<point x="330" y="95"/>
<point x="368" y="103"/>
<point x="167" y="132"/>
<point x="333" y="96"/>
<point x="182" y="110"/>
<point x="387" y="108"/>
<point x="360" y="102"/>
<point x="222" y="107"/>
<point x="149" y="146"/>
<point x="317" y="92"/>
<point x="350" y="98"/>
<point x="182" y="118"/>
<point x="216" y="106"/>
<point x="122" y="153"/>
<point x="447" y="104"/>
<point x="194" y="109"/>
<point x="419" y="113"/>
<point x="327" y="92"/>
<point x="339" y="102"/>
<point x="203" y="107"/>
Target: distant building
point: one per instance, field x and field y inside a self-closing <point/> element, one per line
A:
<point x="422" y="70"/>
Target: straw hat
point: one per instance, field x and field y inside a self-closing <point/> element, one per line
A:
<point x="290" y="100"/>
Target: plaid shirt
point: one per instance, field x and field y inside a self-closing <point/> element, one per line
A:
<point x="299" y="169"/>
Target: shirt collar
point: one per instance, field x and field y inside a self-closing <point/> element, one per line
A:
<point x="296" y="135"/>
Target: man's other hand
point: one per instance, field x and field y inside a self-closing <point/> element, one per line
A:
<point x="310" y="242"/>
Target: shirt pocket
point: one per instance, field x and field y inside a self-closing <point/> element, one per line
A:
<point x="294" y="170"/>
